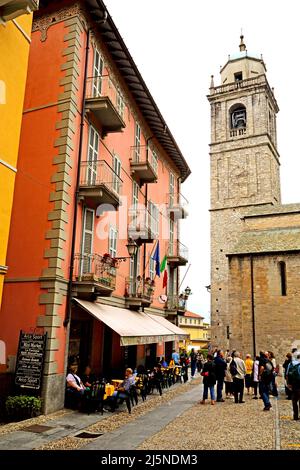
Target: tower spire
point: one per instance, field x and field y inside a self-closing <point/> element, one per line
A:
<point x="242" y="44"/>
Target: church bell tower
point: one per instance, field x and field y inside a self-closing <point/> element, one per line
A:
<point x="244" y="163"/>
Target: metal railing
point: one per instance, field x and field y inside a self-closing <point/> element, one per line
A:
<point x="103" y="86"/>
<point x="238" y="132"/>
<point x="176" y="248"/>
<point x="98" y="172"/>
<point x="175" y="200"/>
<point x="176" y="302"/>
<point x="143" y="154"/>
<point x="141" y="221"/>
<point x="139" y="288"/>
<point x="94" y="268"/>
<point x="259" y="80"/>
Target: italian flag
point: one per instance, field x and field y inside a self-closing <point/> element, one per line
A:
<point x="165" y="271"/>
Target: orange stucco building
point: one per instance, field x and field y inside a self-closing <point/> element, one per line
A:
<point x="98" y="170"/>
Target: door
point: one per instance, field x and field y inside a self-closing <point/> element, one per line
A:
<point x="93" y="150"/>
<point x="97" y="74"/>
<point x="87" y="240"/>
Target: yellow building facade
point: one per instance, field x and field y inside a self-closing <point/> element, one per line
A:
<point x="15" y="32"/>
<point x="199" y="331"/>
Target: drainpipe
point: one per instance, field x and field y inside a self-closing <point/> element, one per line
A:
<point x="252" y="304"/>
<point x="70" y="285"/>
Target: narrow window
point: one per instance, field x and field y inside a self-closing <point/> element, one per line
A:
<point x="97" y="74"/>
<point x="137" y="142"/>
<point x="282" y="271"/>
<point x="117" y="173"/>
<point x="87" y="240"/>
<point x="113" y="235"/>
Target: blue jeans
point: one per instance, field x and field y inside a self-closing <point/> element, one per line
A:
<point x="193" y="368"/>
<point x="264" y="390"/>
<point x="211" y="390"/>
<point x="220" y="384"/>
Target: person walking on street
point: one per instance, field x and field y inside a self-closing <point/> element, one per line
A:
<point x="255" y="375"/>
<point x="273" y="386"/>
<point x="209" y="380"/>
<point x="249" y="370"/>
<point x="199" y="361"/>
<point x="220" y="368"/>
<point x="285" y="365"/>
<point x="293" y="380"/>
<point x="265" y="378"/>
<point x="193" y="358"/>
<point x="228" y="379"/>
<point x="238" y="377"/>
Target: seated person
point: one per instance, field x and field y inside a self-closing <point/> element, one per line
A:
<point x="163" y="362"/>
<point x="126" y="384"/>
<point x="88" y="378"/>
<point x="123" y="390"/>
<point x="75" y="388"/>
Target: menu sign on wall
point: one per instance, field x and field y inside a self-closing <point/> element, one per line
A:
<point x="30" y="360"/>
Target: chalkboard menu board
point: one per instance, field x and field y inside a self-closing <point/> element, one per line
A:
<point x="30" y="360"/>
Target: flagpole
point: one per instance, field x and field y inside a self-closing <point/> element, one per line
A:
<point x="185" y="275"/>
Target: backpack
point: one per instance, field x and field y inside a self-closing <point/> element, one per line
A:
<point x="233" y="368"/>
<point x="293" y="375"/>
<point x="267" y="374"/>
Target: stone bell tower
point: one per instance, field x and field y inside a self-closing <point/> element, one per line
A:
<point x="244" y="167"/>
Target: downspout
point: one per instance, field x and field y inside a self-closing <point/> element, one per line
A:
<point x="252" y="304"/>
<point x="70" y="284"/>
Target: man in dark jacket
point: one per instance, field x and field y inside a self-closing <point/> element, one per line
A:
<point x="209" y="379"/>
<point x="220" y="368"/>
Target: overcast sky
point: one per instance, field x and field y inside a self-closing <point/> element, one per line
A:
<point x="177" y="46"/>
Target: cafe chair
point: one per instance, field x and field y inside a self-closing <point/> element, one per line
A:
<point x="94" y="397"/>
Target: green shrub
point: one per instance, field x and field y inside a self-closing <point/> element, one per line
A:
<point x="22" y="407"/>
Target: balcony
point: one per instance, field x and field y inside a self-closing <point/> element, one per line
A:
<point x="99" y="184"/>
<point x="93" y="275"/>
<point x="142" y="165"/>
<point x="10" y="10"/>
<point x="177" y="206"/>
<point x="175" y="304"/>
<point x="177" y="254"/>
<point x="139" y="292"/>
<point x="142" y="226"/>
<point x="103" y="100"/>
<point x="238" y="132"/>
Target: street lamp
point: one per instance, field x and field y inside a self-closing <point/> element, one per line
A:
<point x="132" y="248"/>
<point x="187" y="291"/>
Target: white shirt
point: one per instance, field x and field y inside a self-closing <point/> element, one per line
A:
<point x="71" y="378"/>
<point x="241" y="368"/>
<point x="255" y="371"/>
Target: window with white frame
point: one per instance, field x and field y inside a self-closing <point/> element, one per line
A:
<point x="112" y="241"/>
<point x="154" y="161"/>
<point x="171" y="189"/>
<point x="97" y="73"/>
<point x="92" y="156"/>
<point x="117" y="173"/>
<point x="151" y="268"/>
<point x="87" y="240"/>
<point x="120" y="104"/>
<point x="171" y="237"/>
<point x="154" y="218"/>
<point x="137" y="141"/>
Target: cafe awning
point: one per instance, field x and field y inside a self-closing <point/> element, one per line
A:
<point x="133" y="327"/>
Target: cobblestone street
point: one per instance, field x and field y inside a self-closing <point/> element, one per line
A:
<point x="175" y="421"/>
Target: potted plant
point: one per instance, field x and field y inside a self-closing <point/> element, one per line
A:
<point x="22" y="407"/>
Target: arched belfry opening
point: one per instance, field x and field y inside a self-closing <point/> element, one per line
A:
<point x="238" y="116"/>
